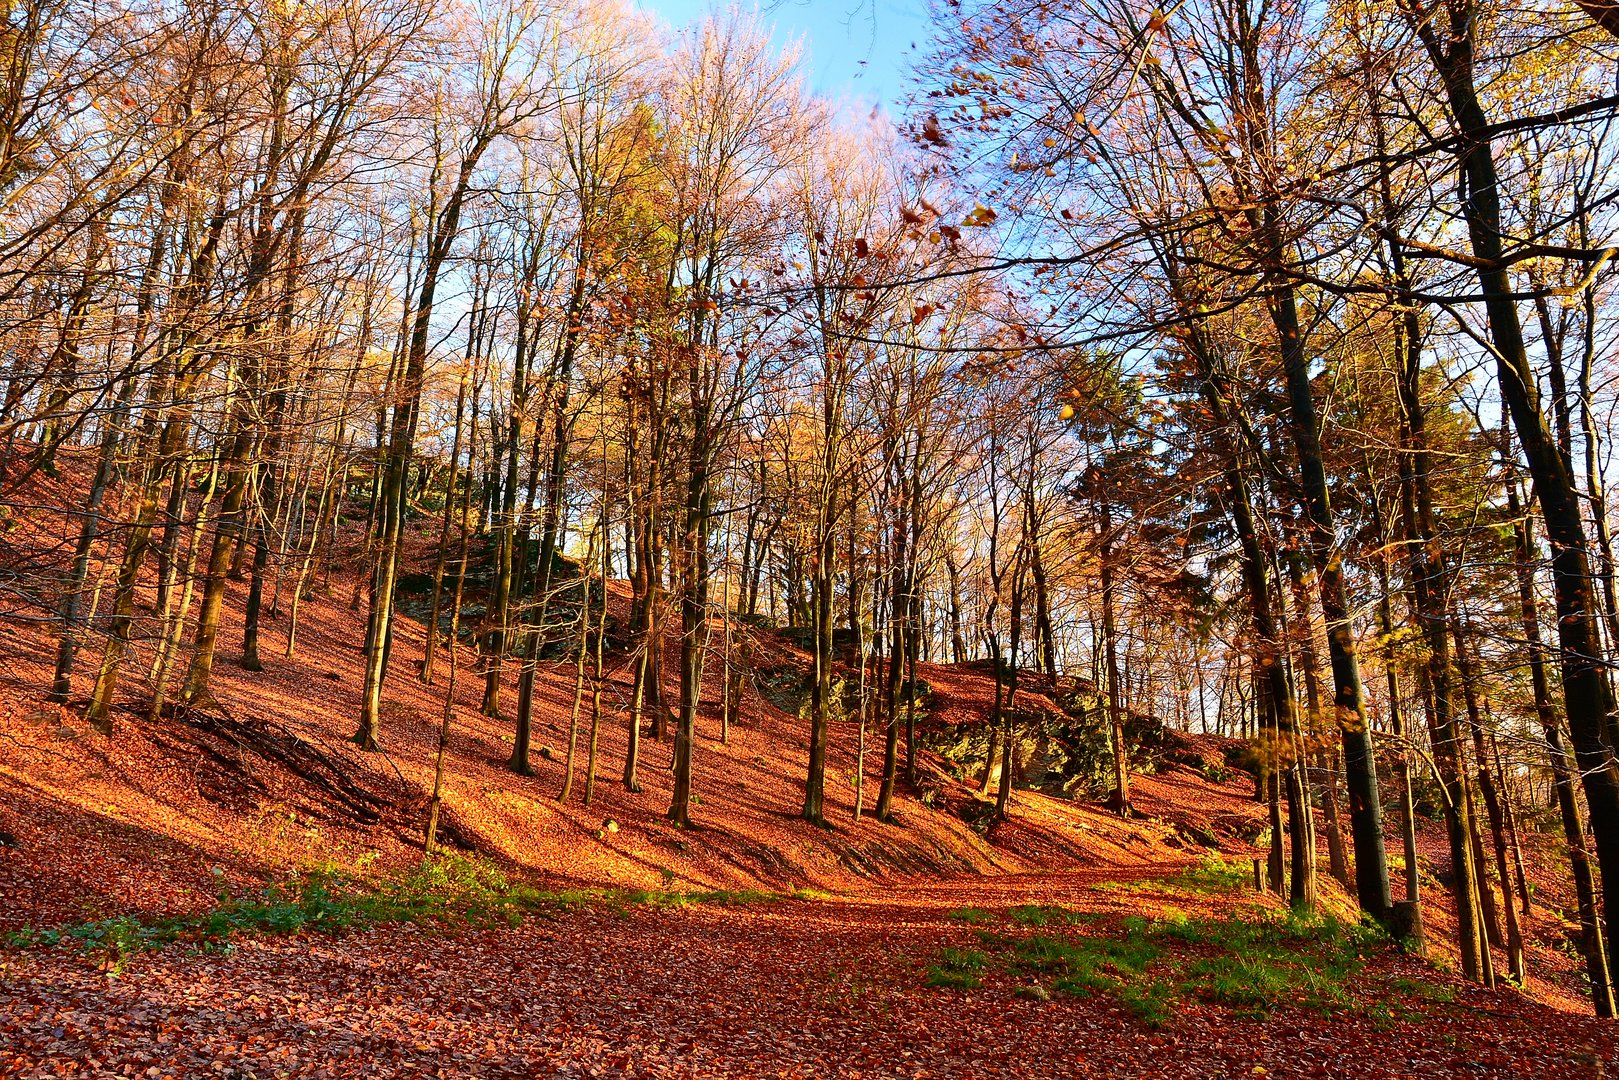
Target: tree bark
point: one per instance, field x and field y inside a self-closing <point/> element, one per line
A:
<point x="1587" y="693"/>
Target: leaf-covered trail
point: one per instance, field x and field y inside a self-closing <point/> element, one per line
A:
<point x="832" y="987"/>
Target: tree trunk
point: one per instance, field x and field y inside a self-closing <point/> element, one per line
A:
<point x="431" y="647"/>
<point x="1046" y="638"/>
<point x="1337" y="859"/>
<point x="89" y="528"/>
<point x="693" y="620"/>
<point x="823" y="583"/>
<point x="1321" y="535"/>
<point x="1118" y="799"/>
<point x="1587" y="694"/>
<point x="958" y="644"/>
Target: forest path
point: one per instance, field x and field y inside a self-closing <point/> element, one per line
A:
<point x="827" y="987"/>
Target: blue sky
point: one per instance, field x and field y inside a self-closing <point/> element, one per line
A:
<point x="859" y="50"/>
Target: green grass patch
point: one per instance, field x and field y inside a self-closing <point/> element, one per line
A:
<point x="654" y="898"/>
<point x="957" y="969"/>
<point x="1213" y="876"/>
<point x="1253" y="962"/>
<point x="1042" y="915"/>
<point x="445" y="890"/>
<point x="1151" y="1001"/>
<point x="1422" y="990"/>
<point x="971" y="915"/>
<point x="802" y="893"/>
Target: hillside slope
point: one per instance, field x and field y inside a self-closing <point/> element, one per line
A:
<point x="161" y="817"/>
<point x="265" y="783"/>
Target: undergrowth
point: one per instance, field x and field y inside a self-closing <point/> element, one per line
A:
<point x="957" y="969"/>
<point x="1252" y="961"/>
<point x="1251" y="964"/>
<point x="444" y="890"/>
<point x="1211" y="876"/>
<point x="1044" y="915"/>
<point x="971" y="915"/>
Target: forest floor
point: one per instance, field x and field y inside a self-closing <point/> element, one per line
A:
<point x="948" y="978"/>
<point x="162" y="910"/>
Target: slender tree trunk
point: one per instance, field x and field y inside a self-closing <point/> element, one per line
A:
<point x="601" y="631"/>
<point x="1118" y="799"/>
<point x="430" y="841"/>
<point x="449" y="692"/>
<point x="1587" y="694"/>
<point x="693" y="619"/>
<point x="1321" y="534"/>
<point x="578" y="696"/>
<point x="892" y="665"/>
<point x="897" y="611"/>
<point x="89" y="528"/>
<point x="173" y="629"/>
<point x="1337" y="859"/>
<point x="255" y="599"/>
<point x="823" y="582"/>
<point x="1493" y="802"/>
<point x="523" y="727"/>
<point x="1501" y="784"/>
<point x="1485" y="785"/>
<point x="958" y="644"/>
<point x="235" y="470"/>
<point x="1402" y="761"/>
<point x="444" y="528"/>
<point x="401" y="443"/>
<point x="913" y="607"/>
<point x="1428" y="575"/>
<point x="1044" y="634"/>
<point x="640" y="518"/>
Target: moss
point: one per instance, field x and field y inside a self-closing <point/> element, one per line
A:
<point x="448" y="890"/>
<point x="1252" y="962"/>
<point x="957" y="969"/>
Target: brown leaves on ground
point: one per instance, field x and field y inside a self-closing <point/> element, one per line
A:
<point x="832" y="987"/>
<point x="137" y="821"/>
<point x="158" y="818"/>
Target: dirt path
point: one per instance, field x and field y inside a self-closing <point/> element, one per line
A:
<point x="832" y="987"/>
